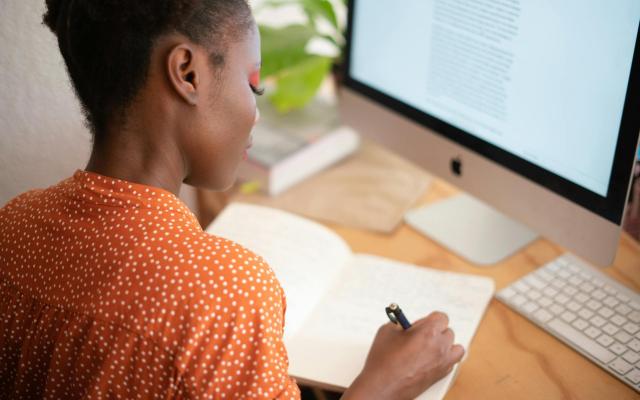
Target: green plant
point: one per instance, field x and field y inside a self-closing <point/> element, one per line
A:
<point x="292" y="72"/>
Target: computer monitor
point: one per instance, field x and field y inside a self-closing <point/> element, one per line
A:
<point x="531" y="106"/>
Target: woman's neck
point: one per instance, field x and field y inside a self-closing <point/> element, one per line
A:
<point x="144" y="156"/>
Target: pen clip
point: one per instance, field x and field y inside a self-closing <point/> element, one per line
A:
<point x="391" y="315"/>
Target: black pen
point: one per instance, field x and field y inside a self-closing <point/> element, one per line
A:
<point x="396" y="316"/>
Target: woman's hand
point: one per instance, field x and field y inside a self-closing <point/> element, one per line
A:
<point x="402" y="364"/>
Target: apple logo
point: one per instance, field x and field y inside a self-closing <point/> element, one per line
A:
<point x="456" y="166"/>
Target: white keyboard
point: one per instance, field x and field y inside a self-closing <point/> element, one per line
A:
<point x="586" y="309"/>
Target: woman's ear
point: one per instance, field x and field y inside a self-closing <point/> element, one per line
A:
<point x="183" y="73"/>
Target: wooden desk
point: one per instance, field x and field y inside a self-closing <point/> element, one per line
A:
<point x="510" y="358"/>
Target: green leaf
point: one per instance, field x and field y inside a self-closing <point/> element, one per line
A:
<point x="274" y="3"/>
<point x="312" y="8"/>
<point x="323" y="8"/>
<point x="283" y="47"/>
<point x="299" y="83"/>
<point x="331" y="40"/>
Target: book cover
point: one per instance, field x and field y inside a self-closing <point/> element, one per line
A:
<point x="288" y="148"/>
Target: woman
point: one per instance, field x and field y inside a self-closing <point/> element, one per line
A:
<point x="108" y="285"/>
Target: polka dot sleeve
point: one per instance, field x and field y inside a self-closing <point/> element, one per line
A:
<point x="236" y="351"/>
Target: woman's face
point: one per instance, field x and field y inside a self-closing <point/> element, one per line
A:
<point x="216" y="140"/>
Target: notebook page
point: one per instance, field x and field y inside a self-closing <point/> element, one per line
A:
<point x="335" y="340"/>
<point x="304" y="255"/>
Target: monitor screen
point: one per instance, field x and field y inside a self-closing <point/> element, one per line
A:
<point x="538" y="86"/>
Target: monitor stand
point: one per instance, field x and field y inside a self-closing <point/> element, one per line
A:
<point x="471" y="229"/>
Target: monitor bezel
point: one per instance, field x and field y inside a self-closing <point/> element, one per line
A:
<point x="610" y="207"/>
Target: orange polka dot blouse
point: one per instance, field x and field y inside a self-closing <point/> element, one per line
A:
<point x="111" y="290"/>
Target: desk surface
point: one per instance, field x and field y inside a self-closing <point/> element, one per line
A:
<point x="510" y="358"/>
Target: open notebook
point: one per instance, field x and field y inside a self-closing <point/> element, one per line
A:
<point x="336" y="299"/>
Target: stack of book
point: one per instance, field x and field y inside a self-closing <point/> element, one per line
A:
<point x="288" y="148"/>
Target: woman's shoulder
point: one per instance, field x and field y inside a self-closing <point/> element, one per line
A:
<point x="208" y="265"/>
<point x="36" y="198"/>
<point x="22" y="199"/>
<point x="198" y="280"/>
<point x="228" y="257"/>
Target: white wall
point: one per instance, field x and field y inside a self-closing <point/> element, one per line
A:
<point x="42" y="136"/>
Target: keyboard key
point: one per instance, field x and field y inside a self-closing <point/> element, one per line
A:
<point x="597" y="321"/>
<point x="618" y="348"/>
<point x="575" y="281"/>
<point x="631" y="357"/>
<point x="597" y="282"/>
<point x="521" y="287"/>
<point x="561" y="298"/>
<point x="605" y="312"/>
<point x="620" y="366"/>
<point x="605" y="340"/>
<point x="581" y="325"/>
<point x="610" y="329"/>
<point x="585" y="313"/>
<point x="618" y="320"/>
<point x="542" y="315"/>
<point x="609" y="289"/>
<point x="598" y="294"/>
<point x="534" y="295"/>
<point x="581" y="297"/>
<point x="535" y="282"/>
<point x="634" y="376"/>
<point x="582" y="341"/>
<point x="623" y="309"/>
<point x="623" y="297"/>
<point x="558" y="283"/>
<point x="557" y="309"/>
<point x="634" y="345"/>
<point x="544" y="275"/>
<point x="549" y="291"/>
<point x="585" y="275"/>
<point x="587" y="287"/>
<point x="507" y="293"/>
<point x="570" y="290"/>
<point x="634" y="316"/>
<point x="564" y="274"/>
<point x="631" y="328"/>
<point x="592" y="332"/>
<point x="594" y="305"/>
<point x="635" y="305"/>
<point x="530" y="307"/>
<point x="553" y="267"/>
<point x="568" y="316"/>
<point x="519" y="300"/>
<point x="610" y="301"/>
<point x="545" y="302"/>
<point x="573" y="306"/>
<point x="622" y="337"/>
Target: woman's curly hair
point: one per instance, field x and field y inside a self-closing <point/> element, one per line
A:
<point x="106" y="44"/>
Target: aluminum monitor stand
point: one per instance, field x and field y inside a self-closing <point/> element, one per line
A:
<point x="471" y="229"/>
